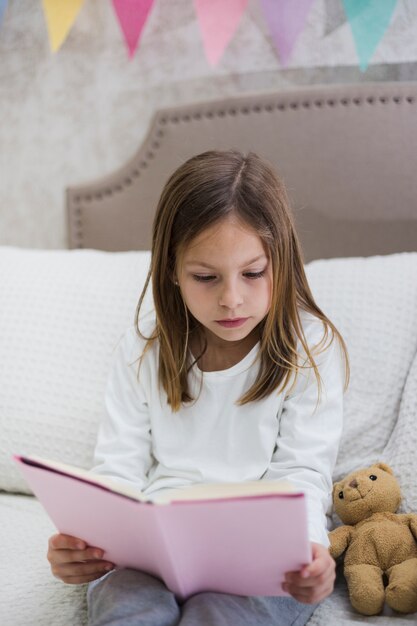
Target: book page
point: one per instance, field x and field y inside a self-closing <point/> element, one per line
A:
<point x="200" y="491"/>
<point x="106" y="481"/>
<point x="215" y="491"/>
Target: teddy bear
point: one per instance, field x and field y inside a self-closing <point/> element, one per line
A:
<point x="380" y="564"/>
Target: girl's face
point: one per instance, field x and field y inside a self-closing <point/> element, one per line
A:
<point x="225" y="274"/>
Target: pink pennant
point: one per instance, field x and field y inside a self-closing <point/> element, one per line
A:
<point x="132" y="16"/>
<point x="218" y="22"/>
<point x="286" y="20"/>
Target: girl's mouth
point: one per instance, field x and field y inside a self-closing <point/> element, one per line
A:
<point x="232" y="323"/>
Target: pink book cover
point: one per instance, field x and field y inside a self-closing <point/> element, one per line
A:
<point x="241" y="545"/>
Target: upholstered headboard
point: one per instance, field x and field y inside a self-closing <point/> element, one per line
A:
<point x="347" y="154"/>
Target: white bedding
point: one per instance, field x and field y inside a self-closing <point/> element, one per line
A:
<point x="51" y="400"/>
<point x="29" y="594"/>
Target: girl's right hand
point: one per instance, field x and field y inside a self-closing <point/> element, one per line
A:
<point x="73" y="562"/>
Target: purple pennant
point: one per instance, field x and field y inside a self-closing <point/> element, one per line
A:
<point x="286" y="19"/>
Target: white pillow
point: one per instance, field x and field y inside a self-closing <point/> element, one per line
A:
<point x="373" y="303"/>
<point x="62" y="313"/>
<point x="400" y="452"/>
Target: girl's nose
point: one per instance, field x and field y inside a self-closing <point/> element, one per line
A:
<point x="230" y="297"/>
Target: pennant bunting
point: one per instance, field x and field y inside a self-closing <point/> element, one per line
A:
<point x="368" y="19"/>
<point x="285" y="19"/>
<point x="132" y="16"/>
<point x="335" y="15"/>
<point x="60" y="15"/>
<point x="218" y="21"/>
<point x="3" y="4"/>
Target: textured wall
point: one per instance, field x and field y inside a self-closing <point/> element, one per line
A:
<point x="74" y="116"/>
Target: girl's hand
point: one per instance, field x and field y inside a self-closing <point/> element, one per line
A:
<point x="73" y="562"/>
<point x="315" y="581"/>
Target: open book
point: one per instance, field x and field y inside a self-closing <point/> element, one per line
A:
<point x="236" y="538"/>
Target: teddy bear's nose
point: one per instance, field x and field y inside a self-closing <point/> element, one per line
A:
<point x="353" y="483"/>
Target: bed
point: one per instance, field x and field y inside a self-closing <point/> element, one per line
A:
<point x="330" y="144"/>
<point x="347" y="157"/>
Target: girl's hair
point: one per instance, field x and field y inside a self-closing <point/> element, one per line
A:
<point x="203" y="191"/>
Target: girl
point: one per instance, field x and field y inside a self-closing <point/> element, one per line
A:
<point x="236" y="381"/>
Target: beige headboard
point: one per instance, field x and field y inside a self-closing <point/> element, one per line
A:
<point x="347" y="154"/>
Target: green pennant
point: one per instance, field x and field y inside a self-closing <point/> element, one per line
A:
<point x="369" y="19"/>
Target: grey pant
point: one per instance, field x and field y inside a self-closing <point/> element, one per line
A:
<point x="127" y="597"/>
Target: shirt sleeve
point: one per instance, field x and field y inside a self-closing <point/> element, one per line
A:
<point x="308" y="441"/>
<point x="124" y="443"/>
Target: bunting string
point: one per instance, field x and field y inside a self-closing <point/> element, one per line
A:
<point x="219" y="20"/>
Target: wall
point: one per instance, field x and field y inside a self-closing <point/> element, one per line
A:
<point x="74" y="116"/>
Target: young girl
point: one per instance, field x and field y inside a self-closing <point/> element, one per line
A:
<point x="236" y="375"/>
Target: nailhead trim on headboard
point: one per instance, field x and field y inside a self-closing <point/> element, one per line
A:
<point x="156" y="139"/>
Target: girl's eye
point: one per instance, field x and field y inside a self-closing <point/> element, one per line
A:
<point x="203" y="279"/>
<point x="250" y="275"/>
<point x="254" y="275"/>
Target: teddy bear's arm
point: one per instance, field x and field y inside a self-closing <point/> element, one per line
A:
<point x="412" y="523"/>
<point x="339" y="540"/>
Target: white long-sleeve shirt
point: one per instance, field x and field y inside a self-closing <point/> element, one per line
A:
<point x="143" y="443"/>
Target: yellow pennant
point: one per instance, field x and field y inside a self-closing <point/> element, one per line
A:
<point x="60" y="16"/>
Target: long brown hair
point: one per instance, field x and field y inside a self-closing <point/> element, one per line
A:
<point x="203" y="191"/>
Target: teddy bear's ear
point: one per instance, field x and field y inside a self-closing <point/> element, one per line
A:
<point x="384" y="467"/>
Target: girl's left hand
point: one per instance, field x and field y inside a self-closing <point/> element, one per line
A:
<point x="315" y="581"/>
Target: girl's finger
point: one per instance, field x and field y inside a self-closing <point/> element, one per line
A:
<point x="66" y="542"/>
<point x="318" y="567"/>
<point x="311" y="596"/>
<point x="71" y="556"/>
<point x="82" y="569"/>
<point x="310" y="581"/>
